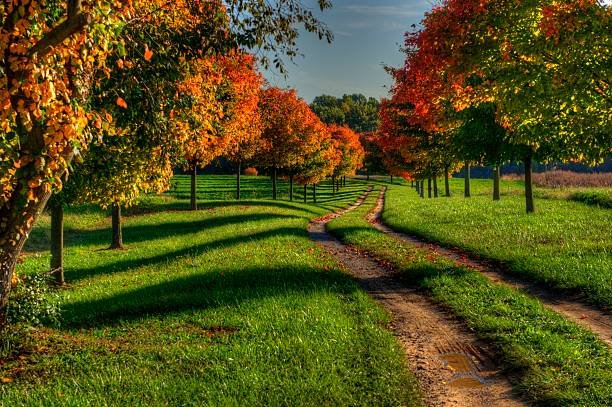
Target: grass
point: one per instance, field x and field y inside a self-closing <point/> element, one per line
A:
<point x="566" y="245"/>
<point x="554" y="362"/>
<point x="223" y="187"/>
<point x="232" y="304"/>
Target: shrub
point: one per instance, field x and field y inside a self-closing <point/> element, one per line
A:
<point x="593" y="198"/>
<point x="251" y="171"/>
<point x="33" y="302"/>
<point x="560" y="179"/>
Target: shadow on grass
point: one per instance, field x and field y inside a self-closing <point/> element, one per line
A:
<point x="158" y="260"/>
<point x="215" y="289"/>
<point x="141" y="233"/>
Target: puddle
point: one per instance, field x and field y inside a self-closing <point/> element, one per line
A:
<point x="458" y="362"/>
<point x="466" y="383"/>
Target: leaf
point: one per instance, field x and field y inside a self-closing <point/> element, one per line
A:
<point x="148" y="54"/>
<point x="6" y="380"/>
<point x="121" y="103"/>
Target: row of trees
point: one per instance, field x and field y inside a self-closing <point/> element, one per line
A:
<point x="491" y="81"/>
<point x="108" y="90"/>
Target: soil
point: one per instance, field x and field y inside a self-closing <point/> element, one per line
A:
<point x="596" y="320"/>
<point x="453" y="367"/>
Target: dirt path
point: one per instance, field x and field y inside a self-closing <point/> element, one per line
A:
<point x="599" y="322"/>
<point x="453" y="367"/>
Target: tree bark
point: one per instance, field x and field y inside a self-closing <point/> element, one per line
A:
<point x="57" y="239"/>
<point x="238" y="180"/>
<point x="428" y="187"/>
<point x="446" y="183"/>
<point x="117" y="238"/>
<point x="194" y="185"/>
<point x="496" y="177"/>
<point x="291" y="187"/>
<point x="314" y="193"/>
<point x="305" y="193"/>
<point x="422" y="189"/>
<point x="274" y="184"/>
<point x="529" y="204"/>
<point x="418" y="187"/>
<point x="435" y="186"/>
<point x="466" y="180"/>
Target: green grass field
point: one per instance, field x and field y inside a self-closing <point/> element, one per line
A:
<point x="553" y="361"/>
<point x="232" y="304"/>
<point x="566" y="245"/>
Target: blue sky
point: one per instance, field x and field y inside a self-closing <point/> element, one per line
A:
<point x="368" y="34"/>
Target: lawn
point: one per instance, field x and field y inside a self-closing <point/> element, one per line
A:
<point x="552" y="361"/>
<point x="231" y="304"/>
<point x="565" y="245"/>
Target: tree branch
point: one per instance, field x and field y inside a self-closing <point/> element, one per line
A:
<point x="74" y="23"/>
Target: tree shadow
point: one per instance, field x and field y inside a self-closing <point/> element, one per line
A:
<point x="218" y="288"/>
<point x="141" y="233"/>
<point x="78" y="274"/>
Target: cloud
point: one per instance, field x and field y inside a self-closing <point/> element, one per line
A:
<point x="412" y="10"/>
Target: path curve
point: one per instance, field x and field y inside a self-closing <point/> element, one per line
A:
<point x="598" y="321"/>
<point x="453" y="367"/>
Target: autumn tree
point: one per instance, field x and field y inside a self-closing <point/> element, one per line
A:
<point x="52" y="51"/>
<point x="289" y="132"/>
<point x="349" y="150"/>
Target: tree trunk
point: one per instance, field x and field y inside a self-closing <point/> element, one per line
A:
<point x="117" y="241"/>
<point x="446" y="183"/>
<point x="496" y="177"/>
<point x="314" y="193"/>
<point x="238" y="180"/>
<point x="435" y="186"/>
<point x="529" y="204"/>
<point x="305" y="193"/>
<point x="57" y="239"/>
<point x="412" y="183"/>
<point x="428" y="187"/>
<point x="291" y="187"/>
<point x="418" y="187"/>
<point x="274" y="184"/>
<point x="422" y="189"/>
<point x="368" y="176"/>
<point x="392" y="178"/>
<point x="194" y="185"/>
<point x="334" y="186"/>
<point x="344" y="183"/>
<point x="19" y="224"/>
<point x="466" y="180"/>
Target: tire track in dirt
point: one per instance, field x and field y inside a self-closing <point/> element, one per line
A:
<point x="453" y="367"/>
<point x="598" y="321"/>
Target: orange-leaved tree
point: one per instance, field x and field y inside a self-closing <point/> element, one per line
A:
<point x="49" y="58"/>
<point x="349" y="150"/>
<point x="289" y="132"/>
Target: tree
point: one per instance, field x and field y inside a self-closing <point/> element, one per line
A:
<point x="56" y="50"/>
<point x="349" y="150"/>
<point x="356" y="111"/>
<point x="372" y="161"/>
<point x="290" y="131"/>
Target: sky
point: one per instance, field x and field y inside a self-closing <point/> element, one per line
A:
<point x="367" y="35"/>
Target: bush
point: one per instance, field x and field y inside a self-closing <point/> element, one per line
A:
<point x="556" y="179"/>
<point x="32" y="302"/>
<point x="251" y="171"/>
<point x="561" y="179"/>
<point x="593" y="198"/>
